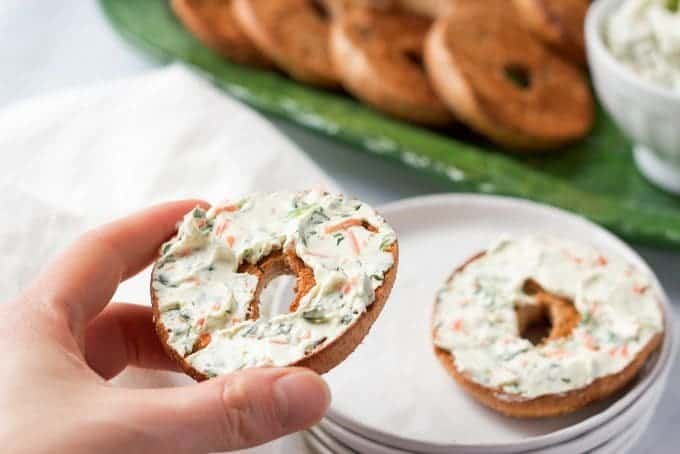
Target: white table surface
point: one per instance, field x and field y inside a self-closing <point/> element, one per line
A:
<point x="48" y="45"/>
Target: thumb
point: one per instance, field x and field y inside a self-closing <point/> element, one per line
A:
<point x="232" y="412"/>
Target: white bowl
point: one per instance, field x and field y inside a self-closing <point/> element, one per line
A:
<point x="648" y="114"/>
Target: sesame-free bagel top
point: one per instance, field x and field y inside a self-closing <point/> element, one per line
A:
<point x="203" y="290"/>
<point x="476" y="316"/>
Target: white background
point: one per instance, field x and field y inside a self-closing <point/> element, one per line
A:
<point x="48" y="45"/>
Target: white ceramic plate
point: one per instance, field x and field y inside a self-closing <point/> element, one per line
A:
<point x="321" y="437"/>
<point x="600" y="438"/>
<point x="616" y="436"/>
<point x="394" y="391"/>
<point x="627" y="440"/>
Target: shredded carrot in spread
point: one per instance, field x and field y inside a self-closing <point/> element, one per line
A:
<point x="226" y="208"/>
<point x="602" y="261"/>
<point x="559" y="353"/>
<point x="640" y="289"/>
<point x="590" y="342"/>
<point x="279" y="341"/>
<point x="221" y="227"/>
<point x="230" y="240"/>
<point x="348" y="286"/>
<point x="344" y="225"/>
<point x="355" y="242"/>
<point x="317" y="254"/>
<point x="457" y="325"/>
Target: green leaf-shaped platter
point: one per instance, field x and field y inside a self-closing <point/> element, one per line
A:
<point x="595" y="177"/>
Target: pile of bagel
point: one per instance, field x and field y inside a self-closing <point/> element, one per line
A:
<point x="511" y="70"/>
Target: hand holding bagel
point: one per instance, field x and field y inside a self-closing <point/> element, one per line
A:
<point x="62" y="339"/>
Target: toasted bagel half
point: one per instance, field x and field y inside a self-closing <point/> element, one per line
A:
<point x="559" y="23"/>
<point x="378" y="56"/>
<point x="503" y="82"/>
<point x="292" y="33"/>
<point x="214" y="24"/>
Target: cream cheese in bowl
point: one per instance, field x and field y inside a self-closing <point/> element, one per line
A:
<point x="634" y="59"/>
<point x="645" y="36"/>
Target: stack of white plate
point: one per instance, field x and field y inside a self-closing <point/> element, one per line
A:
<point x="392" y="396"/>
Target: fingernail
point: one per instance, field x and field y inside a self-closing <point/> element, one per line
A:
<point x="303" y="398"/>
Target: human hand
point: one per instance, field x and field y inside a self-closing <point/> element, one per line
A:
<point x="61" y="340"/>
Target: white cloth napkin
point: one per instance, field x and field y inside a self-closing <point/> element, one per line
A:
<point x="71" y="161"/>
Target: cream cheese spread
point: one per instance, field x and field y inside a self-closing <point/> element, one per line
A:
<point x="199" y="289"/>
<point x="475" y="316"/>
<point x="645" y="36"/>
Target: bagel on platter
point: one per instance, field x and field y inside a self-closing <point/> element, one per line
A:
<point x="429" y="8"/>
<point x="205" y="286"/>
<point x="559" y="23"/>
<point x="378" y="56"/>
<point x="502" y="81"/>
<point x="292" y="33"/>
<point x="214" y="24"/>
<point x="605" y="317"/>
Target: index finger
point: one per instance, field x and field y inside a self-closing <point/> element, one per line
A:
<point x="82" y="280"/>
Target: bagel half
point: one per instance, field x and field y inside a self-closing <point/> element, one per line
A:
<point x="564" y="320"/>
<point x="504" y="83"/>
<point x="292" y="33"/>
<point x="429" y="8"/>
<point x="326" y="320"/>
<point x="214" y="24"/>
<point x="559" y="23"/>
<point x="378" y="56"/>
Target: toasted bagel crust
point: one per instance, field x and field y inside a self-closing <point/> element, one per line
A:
<point x="276" y="264"/>
<point x="377" y="56"/>
<point x="429" y="8"/>
<point x="559" y="23"/>
<point x="470" y="54"/>
<point x="294" y="34"/>
<point x="551" y="404"/>
<point x="214" y="24"/>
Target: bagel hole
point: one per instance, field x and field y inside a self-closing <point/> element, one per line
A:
<point x="519" y="75"/>
<point x="416" y="58"/>
<point x="277" y="296"/>
<point x="319" y="7"/>
<point x="550" y="316"/>
<point x="534" y="323"/>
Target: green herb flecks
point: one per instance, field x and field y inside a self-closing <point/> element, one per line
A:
<point x="673" y="5"/>
<point x="298" y="211"/>
<point x="311" y="347"/>
<point x="207" y="227"/>
<point x="385" y="244"/>
<point x="586" y="318"/>
<point x="512" y="355"/>
<point x="163" y="280"/>
<point x="339" y="237"/>
<point x="315" y="316"/>
<point x="318" y="217"/>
